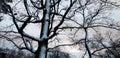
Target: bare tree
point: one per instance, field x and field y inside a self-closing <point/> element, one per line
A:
<point x="47" y="12"/>
<point x="110" y="50"/>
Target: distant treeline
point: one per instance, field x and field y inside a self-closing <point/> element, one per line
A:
<point x="7" y="53"/>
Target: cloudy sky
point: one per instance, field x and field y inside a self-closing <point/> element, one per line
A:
<point x="34" y="29"/>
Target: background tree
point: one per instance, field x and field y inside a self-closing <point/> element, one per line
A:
<point x="53" y="17"/>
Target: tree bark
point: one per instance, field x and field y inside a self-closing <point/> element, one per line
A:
<point x="86" y="43"/>
<point x="42" y="50"/>
<point x="42" y="47"/>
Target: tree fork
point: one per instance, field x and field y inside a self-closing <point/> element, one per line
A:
<point x="42" y="47"/>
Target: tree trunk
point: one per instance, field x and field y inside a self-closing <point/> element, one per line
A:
<point x="42" y="46"/>
<point x="42" y="50"/>
<point x="86" y="43"/>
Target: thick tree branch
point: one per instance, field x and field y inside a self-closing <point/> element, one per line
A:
<point x="62" y="20"/>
